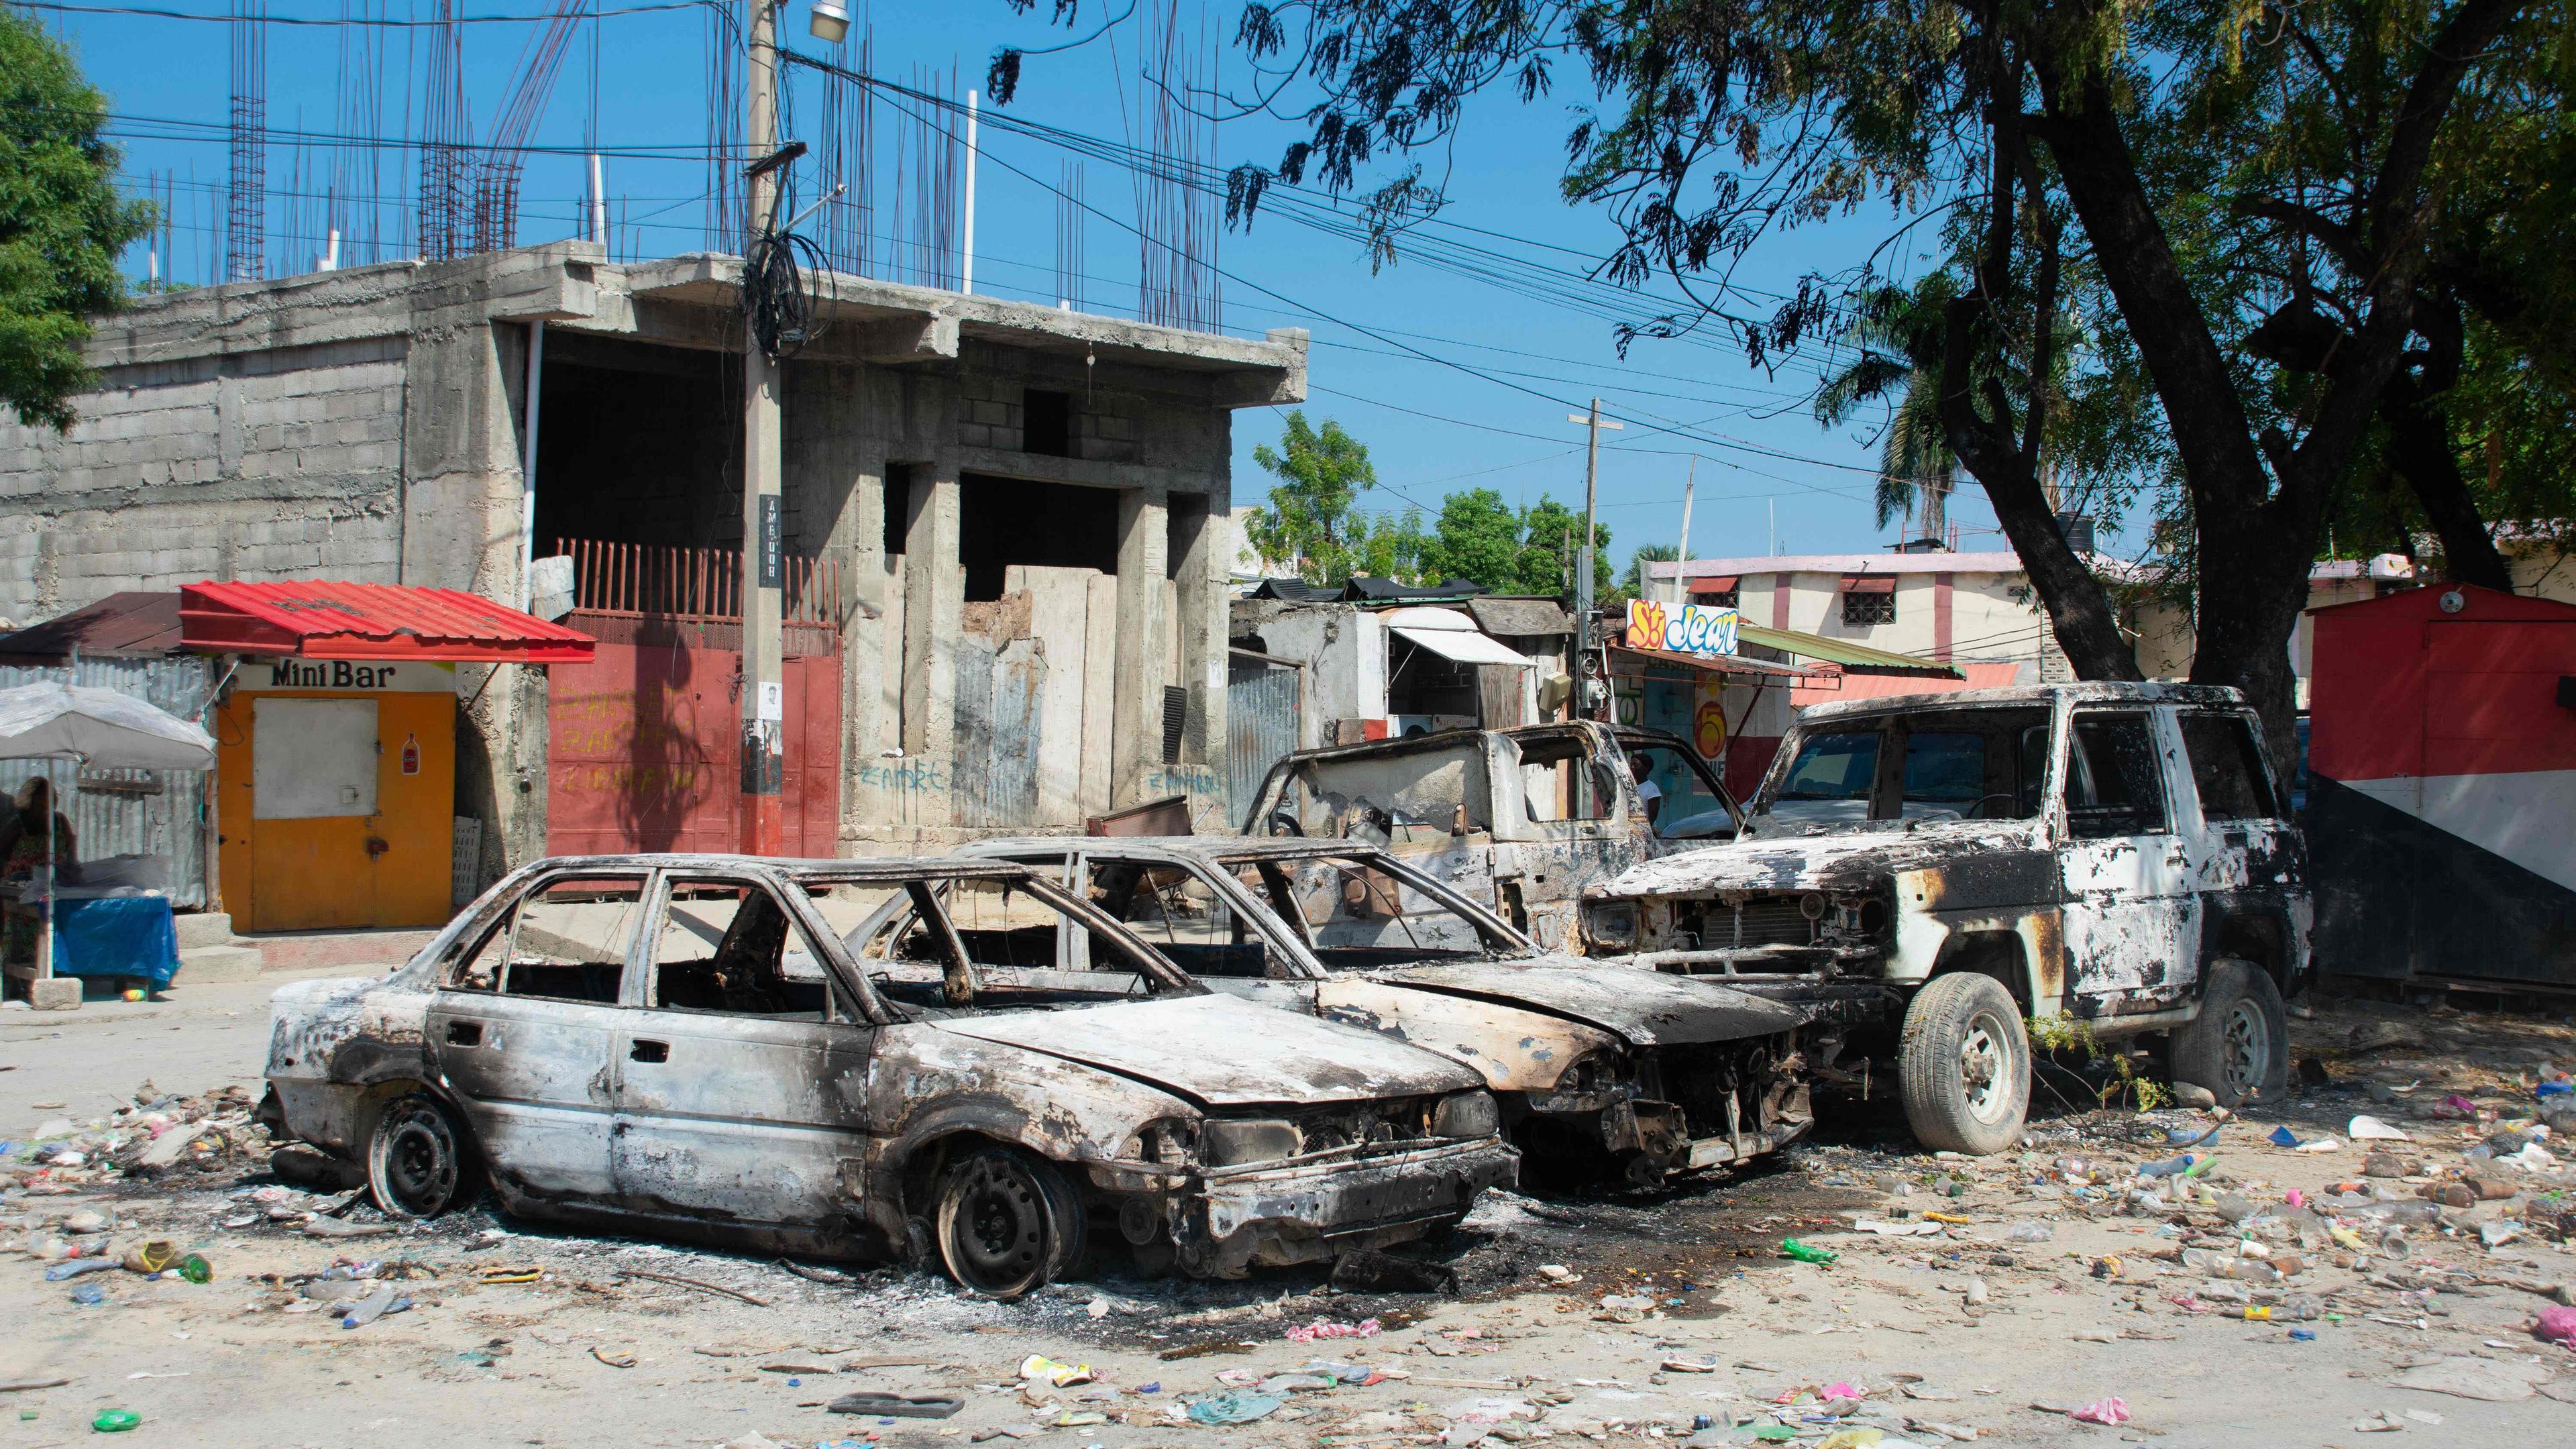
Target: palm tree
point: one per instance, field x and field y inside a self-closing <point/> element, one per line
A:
<point x="1647" y="553"/>
<point x="1898" y="334"/>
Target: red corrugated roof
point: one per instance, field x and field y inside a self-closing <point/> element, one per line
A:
<point x="329" y="619"/>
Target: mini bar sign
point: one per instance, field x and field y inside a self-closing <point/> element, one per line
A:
<point x="1690" y="629"/>
<point x="385" y="677"/>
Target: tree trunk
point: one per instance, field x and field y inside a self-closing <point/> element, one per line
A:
<point x="2419" y="444"/>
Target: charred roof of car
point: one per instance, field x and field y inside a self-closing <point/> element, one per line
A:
<point x="1224" y="849"/>
<point x="864" y="870"/>
<point x="2088" y="692"/>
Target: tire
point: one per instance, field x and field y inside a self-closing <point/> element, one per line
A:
<point x="1963" y="1065"/>
<point x="420" y="1162"/>
<point x="998" y="1228"/>
<point x="2238" y="1047"/>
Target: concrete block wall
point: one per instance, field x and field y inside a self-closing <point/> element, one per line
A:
<point x="257" y="466"/>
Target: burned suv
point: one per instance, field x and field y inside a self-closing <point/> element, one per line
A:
<point x="1925" y="872"/>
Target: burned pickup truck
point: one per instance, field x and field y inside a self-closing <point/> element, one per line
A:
<point x="1519" y="820"/>
<point x="1923" y="873"/>
<point x="1596" y="1066"/>
<point x="682" y="1043"/>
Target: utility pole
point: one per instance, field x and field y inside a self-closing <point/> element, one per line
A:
<point x="1591" y="507"/>
<point x="764" y="570"/>
<point x="1681" y="586"/>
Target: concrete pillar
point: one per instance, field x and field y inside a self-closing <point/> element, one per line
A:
<point x="1203" y="625"/>
<point x="1136" y="731"/>
<point x="934" y="588"/>
<point x="463" y="394"/>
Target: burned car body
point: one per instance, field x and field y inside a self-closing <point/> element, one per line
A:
<point x="1948" y="865"/>
<point x="682" y="1043"/>
<point x="1518" y="820"/>
<point x="1589" y="1061"/>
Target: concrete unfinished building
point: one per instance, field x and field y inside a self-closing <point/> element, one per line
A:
<point x="1007" y="525"/>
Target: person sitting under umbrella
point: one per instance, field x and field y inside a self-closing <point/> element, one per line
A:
<point x="22" y="835"/>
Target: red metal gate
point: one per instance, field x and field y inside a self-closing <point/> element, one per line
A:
<point x="645" y="741"/>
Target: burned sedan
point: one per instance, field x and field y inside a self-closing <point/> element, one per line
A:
<point x="1595" y="1065"/>
<point x="1926" y="872"/>
<point x="683" y="1044"/>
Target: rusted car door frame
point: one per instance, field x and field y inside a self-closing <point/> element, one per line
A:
<point x="532" y="1075"/>
<point x="747" y="1118"/>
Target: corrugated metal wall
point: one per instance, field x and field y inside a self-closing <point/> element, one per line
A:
<point x="158" y="813"/>
<point x="1261" y="701"/>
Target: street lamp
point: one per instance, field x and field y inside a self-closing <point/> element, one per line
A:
<point x="829" y="21"/>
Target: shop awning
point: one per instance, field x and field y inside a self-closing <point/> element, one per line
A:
<point x="1743" y="664"/>
<point x="1467" y="646"/>
<point x="1869" y="583"/>
<point x="1705" y="584"/>
<point x="328" y="619"/>
<point x="1850" y="655"/>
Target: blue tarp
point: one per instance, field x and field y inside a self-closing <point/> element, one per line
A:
<point x="117" y="936"/>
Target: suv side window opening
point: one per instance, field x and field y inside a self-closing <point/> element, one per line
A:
<point x="565" y="940"/>
<point x="1836" y="765"/>
<point x="2227" y="767"/>
<point x="2114" y="783"/>
<point x="1561" y="782"/>
<point x="1688" y="800"/>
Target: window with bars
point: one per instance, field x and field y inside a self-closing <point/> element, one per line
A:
<point x="1862" y="609"/>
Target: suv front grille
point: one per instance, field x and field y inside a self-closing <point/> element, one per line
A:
<point x="1774" y="922"/>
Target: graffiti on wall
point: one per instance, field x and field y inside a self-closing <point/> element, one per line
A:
<point x="1690" y="629"/>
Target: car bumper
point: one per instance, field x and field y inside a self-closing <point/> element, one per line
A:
<point x="1302" y="1212"/>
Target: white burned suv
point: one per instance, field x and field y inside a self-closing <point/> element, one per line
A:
<point x="1922" y="873"/>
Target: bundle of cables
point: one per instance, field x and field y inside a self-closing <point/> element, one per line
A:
<point x="774" y="295"/>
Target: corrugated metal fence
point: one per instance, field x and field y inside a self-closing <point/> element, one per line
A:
<point x="1261" y="703"/>
<point x="159" y="813"/>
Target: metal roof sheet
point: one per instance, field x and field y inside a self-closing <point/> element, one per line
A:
<point x="1842" y="651"/>
<point x="334" y="619"/>
<point x="141" y="623"/>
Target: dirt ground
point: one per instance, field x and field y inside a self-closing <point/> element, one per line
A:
<point x="2046" y="1285"/>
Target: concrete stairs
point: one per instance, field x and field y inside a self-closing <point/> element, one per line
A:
<point x="209" y="952"/>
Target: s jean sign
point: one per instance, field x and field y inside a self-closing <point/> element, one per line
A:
<point x="1690" y="629"/>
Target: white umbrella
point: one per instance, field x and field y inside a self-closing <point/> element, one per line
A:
<point x="99" y="727"/>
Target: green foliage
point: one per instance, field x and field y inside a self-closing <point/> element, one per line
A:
<point x="1634" y="582"/>
<point x="61" y="224"/>
<point x="1480" y="539"/>
<point x="1313" y="523"/>
<point x="2053" y="1034"/>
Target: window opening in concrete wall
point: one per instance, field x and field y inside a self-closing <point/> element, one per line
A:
<point x="1184" y="515"/>
<point x="639" y="444"/>
<point x="1862" y="609"/>
<point x="1046" y="422"/>
<point x="898" y="506"/>
<point x="1426" y="691"/>
<point x="1006" y="521"/>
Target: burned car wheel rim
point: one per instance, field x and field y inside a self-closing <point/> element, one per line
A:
<point x="420" y="1165"/>
<point x="2248" y="1048"/>
<point x="1986" y="1068"/>
<point x="996" y="1227"/>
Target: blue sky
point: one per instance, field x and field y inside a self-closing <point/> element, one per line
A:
<point x="1486" y="408"/>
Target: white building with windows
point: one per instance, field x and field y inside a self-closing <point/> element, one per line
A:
<point x="1975" y="610"/>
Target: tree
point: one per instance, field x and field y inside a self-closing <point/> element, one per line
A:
<point x="1635" y="582"/>
<point x="1551" y="536"/>
<point x="1477" y="539"/>
<point x="1311" y="523"/>
<point x="62" y="224"/>
<point x="1897" y="332"/>
<point x="2233" y="205"/>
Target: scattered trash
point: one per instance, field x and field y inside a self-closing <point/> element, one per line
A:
<point x="2556" y="1325"/>
<point x="1062" y="1375"/>
<point x="115" y="1421"/>
<point x="1235" y="1407"/>
<point x="1897" y="1230"/>
<point x="1792" y="1248"/>
<point x="1625" y="1307"/>
<point x="2367" y="1128"/>
<point x="614" y="1357"/>
<point x="898" y="1406"/>
<point x="2108" y="1411"/>
<point x="2474" y="1378"/>
<point x="2283" y="1137"/>
<point x="1325" y="1328"/>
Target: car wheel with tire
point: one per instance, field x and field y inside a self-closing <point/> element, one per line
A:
<point x="1000" y="1227"/>
<point x="420" y="1162"/>
<point x="1963" y="1065"/>
<point x="2238" y="1047"/>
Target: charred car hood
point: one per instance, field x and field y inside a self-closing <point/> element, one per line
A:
<point x="1644" y="1008"/>
<point x="1218" y="1051"/>
<point x="1841" y="859"/>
